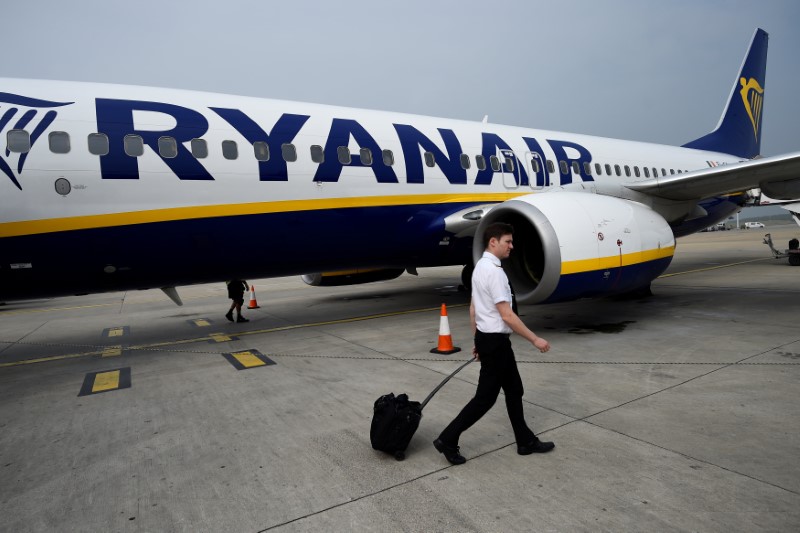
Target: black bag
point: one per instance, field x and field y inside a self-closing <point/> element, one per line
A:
<point x="393" y="424"/>
<point x="396" y="418"/>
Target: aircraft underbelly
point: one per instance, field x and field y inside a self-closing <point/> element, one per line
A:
<point x="204" y="250"/>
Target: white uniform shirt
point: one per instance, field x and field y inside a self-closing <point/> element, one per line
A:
<point x="490" y="287"/>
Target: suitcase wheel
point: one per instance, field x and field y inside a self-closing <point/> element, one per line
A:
<point x="399" y="455"/>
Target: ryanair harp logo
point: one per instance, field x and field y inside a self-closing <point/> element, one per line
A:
<point x="753" y="98"/>
<point x="17" y="113"/>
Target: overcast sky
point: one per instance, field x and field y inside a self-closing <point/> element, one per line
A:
<point x="657" y="71"/>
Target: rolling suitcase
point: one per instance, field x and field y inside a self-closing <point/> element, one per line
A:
<point x="396" y="418"/>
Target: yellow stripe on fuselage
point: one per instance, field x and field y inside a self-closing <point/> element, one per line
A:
<point x="616" y="261"/>
<point x="33" y="227"/>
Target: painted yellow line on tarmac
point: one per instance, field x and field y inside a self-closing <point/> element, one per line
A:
<point x="108" y="380"/>
<point x="713" y="267"/>
<point x="248" y="359"/>
<point x="104" y="381"/>
<point x="54" y="309"/>
<point x="48" y="359"/>
<point x="220" y="337"/>
<point x="116" y="332"/>
<point x="126" y="303"/>
<point x="112" y="351"/>
<point x="212" y="338"/>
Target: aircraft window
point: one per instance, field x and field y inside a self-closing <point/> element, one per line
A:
<point x="480" y="162"/>
<point x="464" y="161"/>
<point x="59" y="142"/>
<point x="551" y="166"/>
<point x="636" y="171"/>
<point x="672" y="171"/>
<point x="134" y="145"/>
<point x="289" y="152"/>
<point x="388" y="158"/>
<point x="317" y="153"/>
<point x="608" y="169"/>
<point x="663" y="171"/>
<point x="535" y="165"/>
<point x="18" y="141"/>
<point x="366" y="156"/>
<point x="598" y="169"/>
<point x="230" y="150"/>
<point x="261" y="151"/>
<point x="344" y="155"/>
<point x="655" y="172"/>
<point x="429" y="159"/>
<point x="563" y="166"/>
<point x="587" y="168"/>
<point x="495" y="162"/>
<point x="98" y="143"/>
<point x="576" y="168"/>
<point x="627" y="171"/>
<point x="167" y="147"/>
<point x="510" y="164"/>
<point x="199" y="148"/>
<point x="617" y="170"/>
<point x="646" y="172"/>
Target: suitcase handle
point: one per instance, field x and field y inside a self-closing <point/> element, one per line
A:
<point x="445" y="380"/>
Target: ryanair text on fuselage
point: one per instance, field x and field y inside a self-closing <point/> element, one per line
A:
<point x="115" y="118"/>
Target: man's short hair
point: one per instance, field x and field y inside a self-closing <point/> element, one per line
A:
<point x="496" y="230"/>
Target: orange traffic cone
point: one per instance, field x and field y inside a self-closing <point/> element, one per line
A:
<point x="253" y="303"/>
<point x="445" y="339"/>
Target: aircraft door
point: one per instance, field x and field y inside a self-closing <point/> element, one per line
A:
<point x="509" y="165"/>
<point x="537" y="171"/>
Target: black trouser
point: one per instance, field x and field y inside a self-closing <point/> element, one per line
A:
<point x="498" y="371"/>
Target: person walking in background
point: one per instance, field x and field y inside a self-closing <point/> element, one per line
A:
<point x="236" y="290"/>
<point x="493" y="320"/>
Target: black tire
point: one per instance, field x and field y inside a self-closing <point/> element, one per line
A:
<point x="466" y="276"/>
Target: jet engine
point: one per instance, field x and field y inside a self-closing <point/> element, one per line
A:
<point x="570" y="245"/>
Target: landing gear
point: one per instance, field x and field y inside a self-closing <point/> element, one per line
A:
<point x="466" y="278"/>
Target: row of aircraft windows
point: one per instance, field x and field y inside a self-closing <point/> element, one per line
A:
<point x="19" y="141"/>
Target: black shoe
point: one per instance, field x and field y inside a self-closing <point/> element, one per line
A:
<point x="229" y="315"/>
<point x="241" y="319"/>
<point x="450" y="453"/>
<point x="535" y="446"/>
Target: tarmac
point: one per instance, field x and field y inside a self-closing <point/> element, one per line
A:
<point x="676" y="412"/>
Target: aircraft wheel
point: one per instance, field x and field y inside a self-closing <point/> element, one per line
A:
<point x="466" y="276"/>
<point x="794" y="259"/>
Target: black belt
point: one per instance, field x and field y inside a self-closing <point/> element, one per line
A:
<point x="482" y="334"/>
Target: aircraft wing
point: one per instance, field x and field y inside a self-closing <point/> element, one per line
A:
<point x="779" y="176"/>
<point x="794" y="209"/>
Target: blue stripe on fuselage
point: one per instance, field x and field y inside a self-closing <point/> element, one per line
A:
<point x="250" y="246"/>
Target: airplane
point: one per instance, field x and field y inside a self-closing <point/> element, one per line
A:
<point x="111" y="188"/>
<point x="761" y="199"/>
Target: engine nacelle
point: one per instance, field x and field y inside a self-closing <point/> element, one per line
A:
<point x="782" y="190"/>
<point x="351" y="277"/>
<point x="570" y="245"/>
